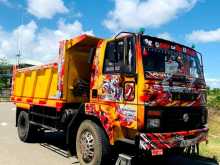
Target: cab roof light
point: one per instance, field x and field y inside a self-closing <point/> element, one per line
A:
<point x="141" y="30"/>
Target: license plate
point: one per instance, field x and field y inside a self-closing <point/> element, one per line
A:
<point x="156" y="152"/>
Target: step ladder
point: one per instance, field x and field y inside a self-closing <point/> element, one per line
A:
<point x="124" y="159"/>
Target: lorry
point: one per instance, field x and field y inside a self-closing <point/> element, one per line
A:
<point x="135" y="89"/>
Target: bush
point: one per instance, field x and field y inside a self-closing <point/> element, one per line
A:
<point x="214" y="98"/>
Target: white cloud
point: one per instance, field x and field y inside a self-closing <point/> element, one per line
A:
<point x="6" y="3"/>
<point x="213" y="83"/>
<point x="37" y="45"/>
<point x="3" y="1"/>
<point x="46" y="8"/>
<point x="165" y="36"/>
<point x="133" y="14"/>
<point x="203" y="36"/>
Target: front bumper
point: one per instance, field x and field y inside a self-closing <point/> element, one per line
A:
<point x="162" y="141"/>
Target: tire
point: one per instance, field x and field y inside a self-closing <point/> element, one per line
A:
<point x="26" y="131"/>
<point x="92" y="137"/>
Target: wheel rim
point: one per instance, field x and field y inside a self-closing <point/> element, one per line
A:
<point x="87" y="146"/>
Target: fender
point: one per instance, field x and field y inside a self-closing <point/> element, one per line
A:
<point x="106" y="119"/>
<point x="78" y="116"/>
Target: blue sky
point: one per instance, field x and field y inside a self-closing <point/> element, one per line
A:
<point x="36" y="26"/>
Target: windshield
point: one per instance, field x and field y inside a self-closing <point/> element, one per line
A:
<point x="169" y="61"/>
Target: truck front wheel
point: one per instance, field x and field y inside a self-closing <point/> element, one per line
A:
<point x="25" y="129"/>
<point x="92" y="145"/>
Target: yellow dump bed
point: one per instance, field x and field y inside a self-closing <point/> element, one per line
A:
<point x="53" y="84"/>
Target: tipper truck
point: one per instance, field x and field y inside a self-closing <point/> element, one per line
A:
<point x="133" y="89"/>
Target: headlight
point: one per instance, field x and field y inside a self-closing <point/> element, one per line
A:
<point x="153" y="123"/>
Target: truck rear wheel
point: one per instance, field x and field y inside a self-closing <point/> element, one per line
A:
<point x="25" y="129"/>
<point x="92" y="145"/>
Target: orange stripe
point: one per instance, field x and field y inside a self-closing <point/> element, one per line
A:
<point x="18" y="99"/>
<point x="29" y="100"/>
<point x="42" y="102"/>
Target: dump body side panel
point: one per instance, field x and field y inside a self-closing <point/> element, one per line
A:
<point x="36" y="85"/>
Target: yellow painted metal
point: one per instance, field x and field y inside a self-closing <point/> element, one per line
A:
<point x="36" y="83"/>
<point x="23" y="105"/>
<point x="80" y="71"/>
<point x="76" y="65"/>
<point x="43" y="83"/>
<point x="29" y="83"/>
<point x="39" y="84"/>
<point x="19" y="81"/>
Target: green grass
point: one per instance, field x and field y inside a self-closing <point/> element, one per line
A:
<point x="213" y="147"/>
<point x="214" y="98"/>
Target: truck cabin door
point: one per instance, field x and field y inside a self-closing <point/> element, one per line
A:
<point x="119" y="72"/>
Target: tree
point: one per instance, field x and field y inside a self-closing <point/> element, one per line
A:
<point x="3" y="61"/>
<point x="4" y="73"/>
<point x="208" y="89"/>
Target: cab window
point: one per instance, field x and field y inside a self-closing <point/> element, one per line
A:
<point x="120" y="57"/>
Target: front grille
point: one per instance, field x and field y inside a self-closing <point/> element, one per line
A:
<point x="172" y="119"/>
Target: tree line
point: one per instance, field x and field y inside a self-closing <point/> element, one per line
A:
<point x="213" y="97"/>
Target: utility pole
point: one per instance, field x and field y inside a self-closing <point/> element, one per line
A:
<point x="18" y="56"/>
<point x="19" y="40"/>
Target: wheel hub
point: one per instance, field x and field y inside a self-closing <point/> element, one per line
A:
<point x="87" y="146"/>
